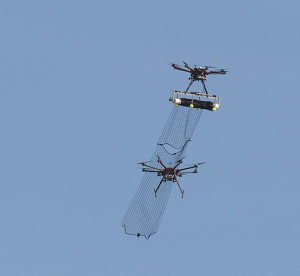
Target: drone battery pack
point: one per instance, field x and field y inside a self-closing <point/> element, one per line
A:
<point x="208" y="105"/>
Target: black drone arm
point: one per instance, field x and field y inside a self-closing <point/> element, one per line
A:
<point x="187" y="66"/>
<point x="177" y="67"/>
<point x="178" y="163"/>
<point x="219" y="72"/>
<point x="160" y="162"/>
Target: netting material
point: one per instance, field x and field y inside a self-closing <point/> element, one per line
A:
<point x="145" y="211"/>
<point x="180" y="127"/>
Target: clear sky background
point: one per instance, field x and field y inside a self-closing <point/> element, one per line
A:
<point x="84" y="96"/>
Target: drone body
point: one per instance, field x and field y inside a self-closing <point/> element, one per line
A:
<point x="198" y="73"/>
<point x="169" y="174"/>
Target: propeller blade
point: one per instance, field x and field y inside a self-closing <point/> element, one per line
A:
<point x="172" y="64"/>
<point x="158" y="159"/>
<point x="141" y="163"/>
<point x="197" y="164"/>
<point x="181" y="68"/>
<point x="224" y="70"/>
<point x="204" y="66"/>
<point x="180" y="160"/>
<point x="186" y="65"/>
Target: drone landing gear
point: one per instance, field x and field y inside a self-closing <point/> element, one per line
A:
<point x="191" y="82"/>
<point x="155" y="190"/>
<point x="165" y="180"/>
<point x="181" y="190"/>
<point x="204" y="87"/>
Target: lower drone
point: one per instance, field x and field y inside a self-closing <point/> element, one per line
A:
<point x="169" y="174"/>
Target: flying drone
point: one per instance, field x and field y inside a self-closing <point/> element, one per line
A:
<point x="198" y="73"/>
<point x="169" y="174"/>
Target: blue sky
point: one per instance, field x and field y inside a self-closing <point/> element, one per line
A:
<point x="85" y="88"/>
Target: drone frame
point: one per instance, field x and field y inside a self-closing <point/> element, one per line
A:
<point x="198" y="73"/>
<point x="169" y="174"/>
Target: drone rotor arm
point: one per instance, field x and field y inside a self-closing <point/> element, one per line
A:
<point x="178" y="163"/>
<point x="160" y="162"/>
<point x="192" y="167"/>
<point x="219" y="72"/>
<point x="177" y="67"/>
<point x="188" y="168"/>
<point x="156" y="190"/>
<point x="183" y="173"/>
<point x="151" y="171"/>
<point x="151" y="167"/>
<point x="187" y="66"/>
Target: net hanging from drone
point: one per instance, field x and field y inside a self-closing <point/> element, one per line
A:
<point x="179" y="128"/>
<point x="145" y="211"/>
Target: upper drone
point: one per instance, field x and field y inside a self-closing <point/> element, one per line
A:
<point x="198" y="73"/>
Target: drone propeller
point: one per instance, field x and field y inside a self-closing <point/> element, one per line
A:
<point x="204" y="66"/>
<point x="208" y="66"/>
<point x="197" y="164"/>
<point x="217" y="71"/>
<point x="158" y="159"/>
<point x="180" y="160"/>
<point x="186" y="68"/>
<point x="141" y="163"/>
<point x="186" y="65"/>
<point x="160" y="162"/>
<point x="193" y="166"/>
<point x="171" y="63"/>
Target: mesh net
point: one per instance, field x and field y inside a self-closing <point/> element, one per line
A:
<point x="179" y="127"/>
<point x="145" y="211"/>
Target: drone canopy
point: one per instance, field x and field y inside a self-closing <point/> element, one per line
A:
<point x="145" y="211"/>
